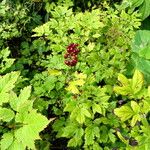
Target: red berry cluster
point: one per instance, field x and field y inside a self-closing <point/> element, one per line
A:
<point x="71" y="57"/>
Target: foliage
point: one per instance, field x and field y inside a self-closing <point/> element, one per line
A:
<point x="20" y="123"/>
<point x="60" y="60"/>
<point x="83" y="107"/>
<point x="143" y="6"/>
<point x="135" y="112"/>
<point x="141" y="54"/>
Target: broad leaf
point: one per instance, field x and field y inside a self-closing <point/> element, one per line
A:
<point x="135" y="107"/>
<point x="137" y="81"/>
<point x="6" y="141"/>
<point x="33" y="123"/>
<point x="90" y="132"/>
<point x="144" y="9"/>
<point x="6" y="114"/>
<point x="135" y="118"/>
<point x="7" y="82"/>
<point x="123" y="80"/>
<point x="17" y="103"/>
<point x="124" y="113"/>
<point x="97" y="108"/>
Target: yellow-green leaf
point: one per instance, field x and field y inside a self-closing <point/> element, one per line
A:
<point x="135" y="118"/>
<point x="137" y="81"/>
<point x="79" y="82"/>
<point x="135" y="107"/>
<point x="72" y="88"/>
<point x="97" y="108"/>
<point x="124" y="113"/>
<point x="123" y="80"/>
<point x="54" y="72"/>
<point x="80" y="75"/>
<point x="122" y="90"/>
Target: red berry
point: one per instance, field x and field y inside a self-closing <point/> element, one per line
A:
<point x="70" y="50"/>
<point x="75" y="51"/>
<point x="67" y="62"/>
<point x="66" y="55"/>
<point x="74" y="57"/>
<point x="74" y="61"/>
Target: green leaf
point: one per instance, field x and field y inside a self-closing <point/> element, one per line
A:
<point x="6" y="141"/>
<point x="135" y="118"/>
<point x="91" y="132"/>
<point x="124" y="113"/>
<point x="33" y="123"/>
<point x="145" y="52"/>
<point x="96" y="108"/>
<point x="122" y="138"/>
<point x="17" y="103"/>
<point x="144" y="9"/>
<point x="80" y="117"/>
<point x="135" y="107"/>
<point x="123" y="90"/>
<point x="141" y="40"/>
<point x="4" y="98"/>
<point x="123" y="80"/>
<point x="69" y="130"/>
<point x="136" y="3"/>
<point x="7" y="82"/>
<point x="89" y="136"/>
<point x="96" y="146"/>
<point x="16" y="145"/>
<point x="70" y="106"/>
<point x="77" y="138"/>
<point x="86" y="112"/>
<point x="112" y="137"/>
<point x="6" y="114"/>
<point x="137" y="81"/>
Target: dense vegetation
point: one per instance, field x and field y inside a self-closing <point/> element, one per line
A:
<point x="74" y="75"/>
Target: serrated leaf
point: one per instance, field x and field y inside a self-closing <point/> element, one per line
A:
<point x="23" y="97"/>
<point x="89" y="135"/>
<point x="16" y="145"/>
<point x="86" y="112"/>
<point x="70" y="106"/>
<point x="54" y="72"/>
<point x="7" y="82"/>
<point x="6" y="114"/>
<point x="80" y="117"/>
<point x="4" y="98"/>
<point x="72" y="88"/>
<point x="6" y="141"/>
<point x="146" y="107"/>
<point x="135" y="118"/>
<point x="79" y="82"/>
<point x="124" y="112"/>
<point x="122" y="90"/>
<point x="96" y="108"/>
<point x="123" y="80"/>
<point x="137" y="81"/>
<point x="69" y="130"/>
<point x="135" y="107"/>
<point x="80" y="75"/>
<point x="77" y="138"/>
<point x="91" y="46"/>
<point x="33" y="124"/>
<point x="96" y="146"/>
<point x="112" y="137"/>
